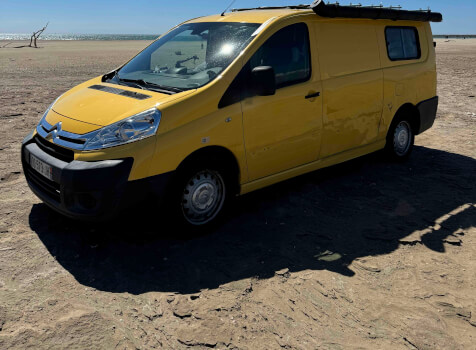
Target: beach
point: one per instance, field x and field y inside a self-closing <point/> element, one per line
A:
<point x="368" y="254"/>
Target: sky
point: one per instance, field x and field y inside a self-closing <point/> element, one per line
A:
<point x="157" y="16"/>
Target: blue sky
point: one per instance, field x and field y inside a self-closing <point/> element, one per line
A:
<point x="156" y="16"/>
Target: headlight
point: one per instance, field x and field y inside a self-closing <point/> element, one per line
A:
<point x="137" y="127"/>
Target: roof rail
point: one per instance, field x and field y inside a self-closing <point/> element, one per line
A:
<point x="373" y="12"/>
<point x="291" y="7"/>
<point x="394" y="13"/>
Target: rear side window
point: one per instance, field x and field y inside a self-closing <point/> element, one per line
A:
<point x="402" y="43"/>
<point x="287" y="51"/>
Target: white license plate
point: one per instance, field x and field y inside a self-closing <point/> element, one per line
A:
<point x="41" y="167"/>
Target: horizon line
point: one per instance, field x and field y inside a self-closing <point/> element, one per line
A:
<point x="71" y="33"/>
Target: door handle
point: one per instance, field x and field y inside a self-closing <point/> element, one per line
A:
<point x="315" y="94"/>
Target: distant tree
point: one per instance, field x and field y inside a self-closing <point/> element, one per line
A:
<point x="34" y="37"/>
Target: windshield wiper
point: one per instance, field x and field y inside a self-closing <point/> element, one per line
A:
<point x="152" y="86"/>
<point x="138" y="83"/>
<point x="116" y="79"/>
<point x="165" y="87"/>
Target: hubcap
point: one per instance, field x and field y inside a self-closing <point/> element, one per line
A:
<point x="203" y="197"/>
<point x="402" y="138"/>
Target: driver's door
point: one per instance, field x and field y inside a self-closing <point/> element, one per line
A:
<point x="283" y="131"/>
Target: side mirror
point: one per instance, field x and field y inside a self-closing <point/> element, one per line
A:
<point x="264" y="81"/>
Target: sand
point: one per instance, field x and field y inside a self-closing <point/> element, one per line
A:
<point x="368" y="254"/>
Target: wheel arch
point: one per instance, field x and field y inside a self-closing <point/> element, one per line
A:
<point x="411" y="111"/>
<point x="222" y="155"/>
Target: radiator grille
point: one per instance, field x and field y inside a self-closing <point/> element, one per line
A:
<point x="64" y="154"/>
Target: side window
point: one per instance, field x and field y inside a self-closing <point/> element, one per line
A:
<point x="402" y="43"/>
<point x="287" y="51"/>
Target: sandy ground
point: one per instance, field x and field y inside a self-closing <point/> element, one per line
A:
<point x="365" y="255"/>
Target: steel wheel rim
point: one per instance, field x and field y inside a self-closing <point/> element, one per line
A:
<point x="203" y="197"/>
<point x="402" y="138"/>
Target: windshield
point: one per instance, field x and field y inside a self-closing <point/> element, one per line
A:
<point x="188" y="57"/>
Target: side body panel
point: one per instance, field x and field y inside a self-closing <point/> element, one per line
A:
<point x="283" y="131"/>
<point x="306" y="168"/>
<point x="407" y="81"/>
<point x="352" y="81"/>
<point x="197" y="123"/>
<point x="401" y="82"/>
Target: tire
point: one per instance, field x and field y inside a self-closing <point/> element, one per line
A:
<point x="400" y="139"/>
<point x="200" y="195"/>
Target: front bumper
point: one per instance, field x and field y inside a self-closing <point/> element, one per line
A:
<point x="81" y="190"/>
<point x="91" y="191"/>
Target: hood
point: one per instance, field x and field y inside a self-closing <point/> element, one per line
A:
<point x="103" y="104"/>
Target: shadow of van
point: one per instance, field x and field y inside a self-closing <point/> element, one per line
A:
<point x="322" y="220"/>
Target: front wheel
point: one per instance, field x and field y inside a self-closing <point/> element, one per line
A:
<point x="202" y="194"/>
<point x="400" y="139"/>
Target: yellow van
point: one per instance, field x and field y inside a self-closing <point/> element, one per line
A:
<point x="227" y="104"/>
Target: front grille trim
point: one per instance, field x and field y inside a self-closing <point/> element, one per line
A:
<point x="61" y="153"/>
<point x="59" y="136"/>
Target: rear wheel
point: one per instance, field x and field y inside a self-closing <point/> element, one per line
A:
<point x="400" y="139"/>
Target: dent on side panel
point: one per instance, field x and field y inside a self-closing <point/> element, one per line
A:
<point x="352" y="111"/>
<point x="352" y="81"/>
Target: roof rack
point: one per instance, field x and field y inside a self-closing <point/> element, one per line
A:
<point x="291" y="7"/>
<point x="359" y="11"/>
<point x="373" y="12"/>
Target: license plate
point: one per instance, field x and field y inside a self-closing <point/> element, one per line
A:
<point x="41" y="167"/>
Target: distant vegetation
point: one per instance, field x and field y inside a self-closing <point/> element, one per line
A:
<point x="455" y="36"/>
